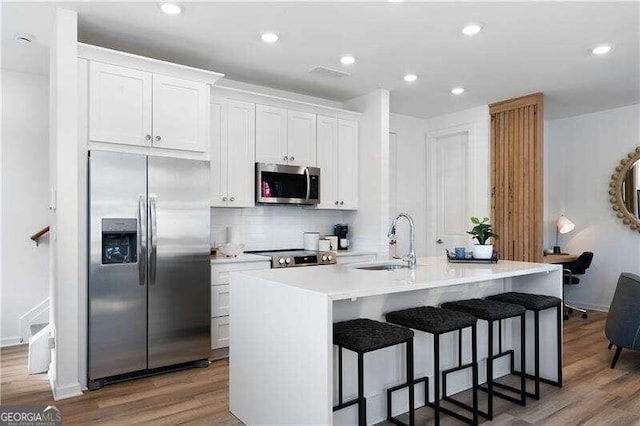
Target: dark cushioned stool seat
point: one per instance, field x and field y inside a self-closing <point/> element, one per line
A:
<point x="365" y="335"/>
<point x="431" y="319"/>
<point x="532" y="302"/>
<point x="490" y="310"/>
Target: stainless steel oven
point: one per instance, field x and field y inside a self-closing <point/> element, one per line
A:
<point x="281" y="184"/>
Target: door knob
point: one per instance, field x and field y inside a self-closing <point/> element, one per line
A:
<point x="337" y="202"/>
<point x="158" y="138"/>
<point x="224" y="198"/>
<point x="439" y="241"/>
<point x="292" y="158"/>
<point x="147" y="137"/>
<point x="341" y="203"/>
<point x="232" y="199"/>
<point x="285" y="158"/>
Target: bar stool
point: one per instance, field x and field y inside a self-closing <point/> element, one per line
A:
<point x="362" y="336"/>
<point x="437" y="322"/>
<point x="491" y="311"/>
<point x="537" y="303"/>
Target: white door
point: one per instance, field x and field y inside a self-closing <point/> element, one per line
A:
<point x="301" y="137"/>
<point x="448" y="203"/>
<point x="241" y="132"/>
<point x="119" y="105"/>
<point x="180" y="119"/>
<point x="348" y="164"/>
<point x="218" y="151"/>
<point x="327" y="161"/>
<point x="271" y="135"/>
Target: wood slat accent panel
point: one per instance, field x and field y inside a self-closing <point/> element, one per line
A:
<point x="516" y="177"/>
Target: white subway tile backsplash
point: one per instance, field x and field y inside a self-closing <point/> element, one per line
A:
<point x="274" y="227"/>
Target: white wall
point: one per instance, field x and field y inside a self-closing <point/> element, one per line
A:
<point x="274" y="227"/>
<point x="582" y="154"/>
<point x="411" y="177"/>
<point x="25" y="197"/>
<point x="371" y="221"/>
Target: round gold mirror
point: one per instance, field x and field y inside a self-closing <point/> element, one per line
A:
<point x="624" y="190"/>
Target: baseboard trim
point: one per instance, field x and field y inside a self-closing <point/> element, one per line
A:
<point x="588" y="306"/>
<point x="64" y="392"/>
<point x="11" y="341"/>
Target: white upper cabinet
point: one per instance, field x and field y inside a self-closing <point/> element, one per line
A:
<point x="132" y="107"/>
<point x="348" y="164"/>
<point x="180" y="114"/>
<point x="271" y="135"/>
<point x="301" y="138"/>
<point x="232" y="153"/>
<point x="327" y="161"/>
<point x="338" y="162"/>
<point x="119" y="105"/>
<point x="285" y="137"/>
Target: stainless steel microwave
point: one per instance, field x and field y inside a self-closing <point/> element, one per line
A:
<point x="282" y="184"/>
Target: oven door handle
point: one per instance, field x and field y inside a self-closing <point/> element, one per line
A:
<point x="306" y="173"/>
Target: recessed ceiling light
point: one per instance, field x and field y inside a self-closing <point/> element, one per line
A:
<point x="348" y="60"/>
<point x="269" y="37"/>
<point x="457" y="90"/>
<point x="170" y="8"/>
<point x="25" y="38"/>
<point x="410" y="78"/>
<point x="472" y="29"/>
<point x="601" y="49"/>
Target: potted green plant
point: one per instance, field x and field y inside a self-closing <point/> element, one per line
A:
<point x="482" y="231"/>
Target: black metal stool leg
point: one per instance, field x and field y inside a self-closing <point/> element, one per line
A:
<point x="436" y="378"/>
<point x="412" y="414"/>
<point x="474" y="373"/>
<point x="362" y="402"/>
<point x="490" y="372"/>
<point x="523" y="364"/>
<point x="536" y="355"/>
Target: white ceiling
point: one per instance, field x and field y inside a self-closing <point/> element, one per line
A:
<point x="525" y="47"/>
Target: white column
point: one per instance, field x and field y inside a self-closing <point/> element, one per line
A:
<point x="66" y="246"/>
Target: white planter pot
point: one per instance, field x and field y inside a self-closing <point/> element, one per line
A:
<point x="482" y="251"/>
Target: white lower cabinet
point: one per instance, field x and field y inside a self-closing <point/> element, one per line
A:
<point x="220" y="290"/>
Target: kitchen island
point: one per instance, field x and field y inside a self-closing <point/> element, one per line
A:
<point x="282" y="356"/>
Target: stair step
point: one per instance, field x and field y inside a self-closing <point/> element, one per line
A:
<point x="37" y="327"/>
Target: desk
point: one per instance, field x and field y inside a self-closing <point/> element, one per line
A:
<point x="559" y="258"/>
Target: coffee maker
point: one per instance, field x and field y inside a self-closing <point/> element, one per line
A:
<point x="341" y="231"/>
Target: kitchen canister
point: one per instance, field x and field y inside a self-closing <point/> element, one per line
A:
<point x="324" y="245"/>
<point x="311" y="240"/>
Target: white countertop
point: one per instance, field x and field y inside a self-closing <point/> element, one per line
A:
<point x="345" y="281"/>
<point x="241" y="258"/>
<point x="345" y="253"/>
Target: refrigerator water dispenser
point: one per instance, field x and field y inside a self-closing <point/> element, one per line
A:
<point x="119" y="241"/>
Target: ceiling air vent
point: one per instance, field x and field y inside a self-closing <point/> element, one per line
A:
<point x="328" y="72"/>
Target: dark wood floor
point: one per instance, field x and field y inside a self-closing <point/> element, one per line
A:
<point x="593" y="393"/>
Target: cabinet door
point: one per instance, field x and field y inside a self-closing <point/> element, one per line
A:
<point x="119" y="105"/>
<point x="241" y="134"/>
<point x="301" y="137"/>
<point x="348" y="164"/>
<point x="219" y="301"/>
<point x="219" y="332"/>
<point x="218" y="151"/>
<point x="180" y="118"/>
<point x="327" y="161"/>
<point x="271" y="135"/>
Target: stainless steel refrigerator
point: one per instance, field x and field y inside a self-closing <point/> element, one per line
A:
<point x="149" y="265"/>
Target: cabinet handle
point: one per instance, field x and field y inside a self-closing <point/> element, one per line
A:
<point x="232" y="199"/>
<point x="285" y="158"/>
<point x="158" y="138"/>
<point x="224" y="198"/>
<point x="292" y="158"/>
<point x="147" y="137"/>
<point x="337" y="203"/>
<point x="341" y="202"/>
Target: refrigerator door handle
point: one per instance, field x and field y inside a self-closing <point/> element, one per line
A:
<point x="142" y="241"/>
<point x="153" y="237"/>
<point x="306" y="172"/>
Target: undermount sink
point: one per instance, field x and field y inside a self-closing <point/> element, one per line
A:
<point x="384" y="267"/>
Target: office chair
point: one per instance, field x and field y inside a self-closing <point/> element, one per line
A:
<point x="570" y="270"/>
